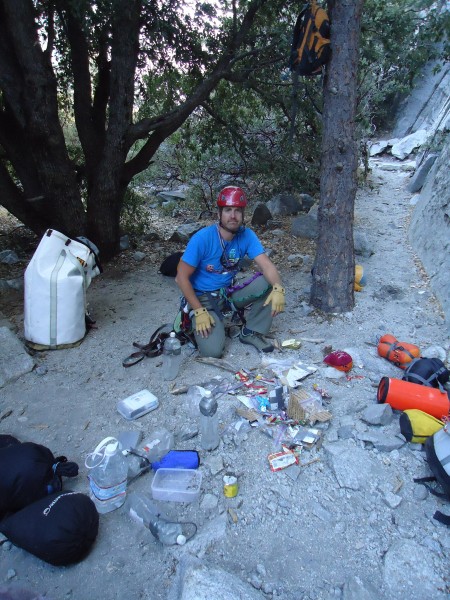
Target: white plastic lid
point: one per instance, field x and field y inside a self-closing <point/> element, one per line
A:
<point x="207" y="394"/>
<point x="181" y="540"/>
<point x="172" y="334"/>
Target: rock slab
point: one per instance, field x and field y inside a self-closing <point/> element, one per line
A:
<point x="14" y="361"/>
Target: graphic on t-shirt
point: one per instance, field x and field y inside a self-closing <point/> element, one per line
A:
<point x="229" y="262"/>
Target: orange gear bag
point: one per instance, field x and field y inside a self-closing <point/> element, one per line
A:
<point x="399" y="353"/>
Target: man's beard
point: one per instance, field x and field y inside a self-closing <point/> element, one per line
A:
<point x="240" y="227"/>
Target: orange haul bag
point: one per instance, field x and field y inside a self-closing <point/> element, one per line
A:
<point x="402" y="395"/>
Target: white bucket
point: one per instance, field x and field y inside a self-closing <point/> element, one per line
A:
<point x="56" y="281"/>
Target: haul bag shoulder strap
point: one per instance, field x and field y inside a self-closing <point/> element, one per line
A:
<point x="155" y="344"/>
<point x="444" y="519"/>
<point x="152" y="349"/>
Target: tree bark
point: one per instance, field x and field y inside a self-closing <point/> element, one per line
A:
<point x="334" y="266"/>
<point x="107" y="188"/>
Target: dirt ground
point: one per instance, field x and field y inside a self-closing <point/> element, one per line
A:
<point x="304" y="534"/>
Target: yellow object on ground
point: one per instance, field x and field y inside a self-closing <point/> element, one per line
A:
<point x="292" y="343"/>
<point x="360" y="280"/>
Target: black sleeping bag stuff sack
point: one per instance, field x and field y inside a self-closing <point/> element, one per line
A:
<point x="8" y="440"/>
<point x="25" y="470"/>
<point x="28" y="472"/>
<point x="59" y="529"/>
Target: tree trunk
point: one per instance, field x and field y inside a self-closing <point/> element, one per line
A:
<point x="106" y="185"/>
<point x="30" y="127"/>
<point x="334" y="266"/>
<point x="39" y="183"/>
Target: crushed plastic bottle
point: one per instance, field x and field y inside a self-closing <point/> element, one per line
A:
<point x="144" y="510"/>
<point x="137" y="465"/>
<point x="166" y="532"/>
<point x="157" y="444"/>
<point x="129" y="441"/>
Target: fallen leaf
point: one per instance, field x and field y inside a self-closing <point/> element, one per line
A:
<point x="233" y="515"/>
<point x="6" y="413"/>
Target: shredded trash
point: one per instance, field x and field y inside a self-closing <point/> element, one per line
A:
<point x="291" y="344"/>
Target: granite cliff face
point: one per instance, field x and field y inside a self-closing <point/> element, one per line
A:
<point x="430" y="228"/>
<point x="428" y="108"/>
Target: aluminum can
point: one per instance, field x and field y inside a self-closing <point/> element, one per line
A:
<point x="230" y="486"/>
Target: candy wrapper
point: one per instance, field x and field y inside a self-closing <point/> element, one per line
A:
<point x="281" y="460"/>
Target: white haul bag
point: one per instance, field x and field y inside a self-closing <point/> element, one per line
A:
<point x="56" y="281"/>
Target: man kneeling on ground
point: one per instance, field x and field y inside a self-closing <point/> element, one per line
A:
<point x="207" y="273"/>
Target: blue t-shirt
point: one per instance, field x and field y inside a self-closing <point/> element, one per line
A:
<point x="215" y="261"/>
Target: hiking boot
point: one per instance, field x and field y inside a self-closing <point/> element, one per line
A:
<point x="256" y="340"/>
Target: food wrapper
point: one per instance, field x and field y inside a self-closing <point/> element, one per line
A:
<point x="242" y="375"/>
<point x="292" y="344"/>
<point x="296" y="373"/>
<point x="281" y="460"/>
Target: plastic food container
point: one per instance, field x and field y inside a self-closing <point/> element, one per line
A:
<point x="137" y="405"/>
<point x="176" y="485"/>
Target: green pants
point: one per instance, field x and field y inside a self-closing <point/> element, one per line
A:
<point x="258" y="317"/>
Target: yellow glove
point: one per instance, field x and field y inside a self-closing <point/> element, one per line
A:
<point x="203" y="321"/>
<point x="276" y="296"/>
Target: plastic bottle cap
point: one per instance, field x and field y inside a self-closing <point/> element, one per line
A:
<point x="172" y="334"/>
<point x="111" y="449"/>
<point x="181" y="540"/>
<point x="207" y="394"/>
<point x="208" y="405"/>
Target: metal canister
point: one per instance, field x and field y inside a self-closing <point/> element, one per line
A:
<point x="230" y="486"/>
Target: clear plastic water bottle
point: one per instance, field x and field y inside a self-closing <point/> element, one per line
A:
<point x="194" y="394"/>
<point x="209" y="422"/>
<point x="171" y="357"/>
<point x="108" y="475"/>
<point x="166" y="532"/>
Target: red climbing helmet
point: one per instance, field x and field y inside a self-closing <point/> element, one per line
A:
<point x="232" y="196"/>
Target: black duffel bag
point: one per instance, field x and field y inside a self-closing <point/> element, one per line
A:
<point x="431" y="372"/>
